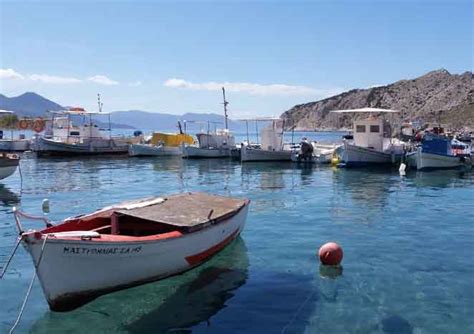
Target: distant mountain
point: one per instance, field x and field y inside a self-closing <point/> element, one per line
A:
<point x="167" y="122"/>
<point x="437" y="96"/>
<point x="34" y="105"/>
<point x="28" y="104"/>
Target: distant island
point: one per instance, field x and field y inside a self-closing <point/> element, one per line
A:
<point x="436" y="97"/>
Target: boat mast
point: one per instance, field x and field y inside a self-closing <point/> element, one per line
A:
<point x="99" y="103"/>
<point x="225" y="108"/>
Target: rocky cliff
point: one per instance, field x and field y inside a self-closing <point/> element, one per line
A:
<point x="437" y="96"/>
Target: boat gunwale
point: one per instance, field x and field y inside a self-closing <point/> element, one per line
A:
<point x="159" y="237"/>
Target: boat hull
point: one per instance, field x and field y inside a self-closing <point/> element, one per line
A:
<point x="425" y="161"/>
<point x="247" y="154"/>
<point x="74" y="272"/>
<point x="136" y="150"/>
<point x="48" y="147"/>
<point x="354" y="156"/>
<point x="14" y="145"/>
<point x="8" y="166"/>
<point x="193" y="152"/>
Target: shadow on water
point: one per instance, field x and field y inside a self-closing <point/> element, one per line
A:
<point x="8" y="197"/>
<point x="440" y="178"/>
<point x="199" y="299"/>
<point x="167" y="164"/>
<point x="169" y="305"/>
<point x="363" y="186"/>
<point x="394" y="324"/>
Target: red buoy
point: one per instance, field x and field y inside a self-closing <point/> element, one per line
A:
<point x="330" y="254"/>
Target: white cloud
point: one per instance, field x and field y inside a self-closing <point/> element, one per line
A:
<point x="135" y="84"/>
<point x="102" y="80"/>
<point x="9" y="73"/>
<point x="53" y="79"/>
<point x="247" y="87"/>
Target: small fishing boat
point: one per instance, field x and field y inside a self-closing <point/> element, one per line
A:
<point x="373" y="142"/>
<point x="438" y="151"/>
<point x="73" y="132"/>
<point x="212" y="145"/>
<point x="9" y="122"/>
<point x="129" y="244"/>
<point x="318" y="153"/>
<point x="8" y="164"/>
<point x="272" y="147"/>
<point x="161" y="144"/>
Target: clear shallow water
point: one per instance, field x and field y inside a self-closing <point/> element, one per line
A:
<point x="408" y="249"/>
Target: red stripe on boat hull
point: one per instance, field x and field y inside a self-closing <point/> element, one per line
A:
<point x="200" y="257"/>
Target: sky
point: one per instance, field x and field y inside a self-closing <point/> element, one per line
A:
<point x="174" y="57"/>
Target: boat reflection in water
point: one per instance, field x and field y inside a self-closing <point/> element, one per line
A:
<point x="8" y="197"/>
<point x="440" y="178"/>
<point x="170" y="305"/>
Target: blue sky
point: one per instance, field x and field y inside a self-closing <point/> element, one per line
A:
<point x="173" y="56"/>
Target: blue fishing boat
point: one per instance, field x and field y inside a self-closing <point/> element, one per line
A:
<point x="438" y="151"/>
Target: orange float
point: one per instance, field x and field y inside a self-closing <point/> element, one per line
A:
<point x="330" y="254"/>
<point x="38" y="125"/>
<point x="23" y="124"/>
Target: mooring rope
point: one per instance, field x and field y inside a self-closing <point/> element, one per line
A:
<point x="21" y="176"/>
<point x="4" y="270"/>
<point x="298" y="311"/>
<point x="29" y="288"/>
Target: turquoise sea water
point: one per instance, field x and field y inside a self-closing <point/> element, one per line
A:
<point x="408" y="249"/>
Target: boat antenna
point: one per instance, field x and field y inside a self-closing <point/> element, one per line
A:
<point x="99" y="102"/>
<point x="225" y="108"/>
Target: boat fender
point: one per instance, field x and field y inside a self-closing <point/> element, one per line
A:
<point x="402" y="169"/>
<point x="45" y="205"/>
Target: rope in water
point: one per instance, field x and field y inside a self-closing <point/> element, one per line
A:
<point x="298" y="311"/>
<point x="17" y="321"/>
<point x="4" y="270"/>
<point x="21" y="176"/>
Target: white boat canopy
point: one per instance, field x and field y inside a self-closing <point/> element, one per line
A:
<point x="6" y="112"/>
<point x="77" y="112"/>
<point x="365" y="110"/>
<point x="259" y="119"/>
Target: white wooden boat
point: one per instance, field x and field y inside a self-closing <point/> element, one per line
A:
<point x="15" y="145"/>
<point x="211" y="145"/>
<point x="354" y="155"/>
<point x="8" y="164"/>
<point x="439" y="152"/>
<point x="161" y="144"/>
<point x="322" y="154"/>
<point x="135" y="150"/>
<point x="19" y="144"/>
<point x="255" y="154"/>
<point x="64" y="138"/>
<point x="272" y="147"/>
<point x="129" y="244"/>
<point x="50" y="147"/>
<point x="373" y="142"/>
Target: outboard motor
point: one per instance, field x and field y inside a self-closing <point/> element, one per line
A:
<point x="137" y="133"/>
<point x="306" y="151"/>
